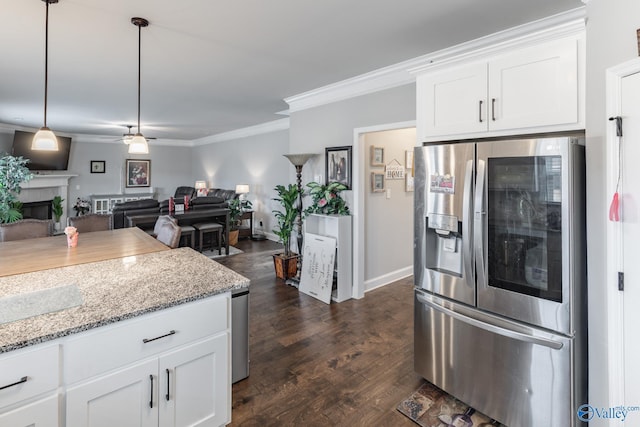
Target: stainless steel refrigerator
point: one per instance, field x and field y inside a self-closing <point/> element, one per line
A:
<point x="500" y="276"/>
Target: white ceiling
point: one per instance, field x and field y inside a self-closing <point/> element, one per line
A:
<point x="212" y="66"/>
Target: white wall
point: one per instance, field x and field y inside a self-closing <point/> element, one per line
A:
<point x="255" y="160"/>
<point x="389" y="221"/>
<point x="170" y="168"/>
<point x="333" y="125"/>
<point x="611" y="39"/>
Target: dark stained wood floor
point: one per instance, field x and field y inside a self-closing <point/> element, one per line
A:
<point x="314" y="364"/>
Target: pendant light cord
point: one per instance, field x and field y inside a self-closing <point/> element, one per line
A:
<point x="46" y="61"/>
<point x="139" y="72"/>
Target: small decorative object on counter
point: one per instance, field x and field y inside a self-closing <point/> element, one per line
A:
<point x="186" y="203"/>
<point x="72" y="236"/>
<point x="172" y="205"/>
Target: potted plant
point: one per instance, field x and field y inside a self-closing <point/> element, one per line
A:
<point x="325" y="199"/>
<point x="13" y="172"/>
<point x="236" y="209"/>
<point x="285" y="263"/>
<point x="57" y="210"/>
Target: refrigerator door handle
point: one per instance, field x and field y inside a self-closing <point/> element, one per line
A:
<point x="467" y="209"/>
<point x="480" y="215"/>
<point x="490" y="327"/>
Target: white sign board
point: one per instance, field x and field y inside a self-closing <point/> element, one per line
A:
<point x="318" y="262"/>
<point x="394" y="171"/>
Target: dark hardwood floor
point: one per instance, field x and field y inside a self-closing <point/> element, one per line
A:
<point x="313" y="364"/>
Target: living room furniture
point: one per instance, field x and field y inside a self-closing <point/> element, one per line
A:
<point x="169" y="234"/>
<point x="210" y="227"/>
<point x="133" y="207"/>
<point x="246" y="230"/>
<point x="190" y="233"/>
<point x="26" y="229"/>
<point x="91" y="222"/>
<point x="104" y="203"/>
<point x="189" y="217"/>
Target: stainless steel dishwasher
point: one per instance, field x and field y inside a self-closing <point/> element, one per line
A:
<point x="239" y="334"/>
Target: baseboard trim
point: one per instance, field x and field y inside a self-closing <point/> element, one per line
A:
<point x="388" y="278"/>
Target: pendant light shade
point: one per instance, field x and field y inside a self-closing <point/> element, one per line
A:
<point x="45" y="139"/>
<point x="139" y="144"/>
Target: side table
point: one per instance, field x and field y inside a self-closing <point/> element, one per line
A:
<point x="246" y="230"/>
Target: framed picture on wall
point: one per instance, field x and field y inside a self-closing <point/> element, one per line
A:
<point x="377" y="182"/>
<point x="138" y="173"/>
<point x="377" y="156"/>
<point x="98" y="166"/>
<point x="338" y="165"/>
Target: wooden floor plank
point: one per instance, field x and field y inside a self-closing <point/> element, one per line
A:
<point x="313" y="364"/>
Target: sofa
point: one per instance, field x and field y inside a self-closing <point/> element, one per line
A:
<point x="121" y="210"/>
<point x="215" y="198"/>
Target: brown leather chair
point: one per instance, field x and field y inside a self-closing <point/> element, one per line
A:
<point x="91" y="222"/>
<point x="26" y="229"/>
<point x="169" y="234"/>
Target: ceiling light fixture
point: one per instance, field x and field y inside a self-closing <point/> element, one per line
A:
<point x="45" y="139"/>
<point x="138" y="144"/>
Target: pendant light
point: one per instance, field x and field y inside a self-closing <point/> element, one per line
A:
<point x="45" y="139"/>
<point x="138" y="144"/>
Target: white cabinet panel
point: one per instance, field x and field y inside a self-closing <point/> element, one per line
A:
<point x="535" y="87"/>
<point x="195" y="385"/>
<point x="126" y="398"/>
<point x="43" y="413"/>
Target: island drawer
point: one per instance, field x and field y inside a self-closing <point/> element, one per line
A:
<point x="119" y="344"/>
<point x="27" y="373"/>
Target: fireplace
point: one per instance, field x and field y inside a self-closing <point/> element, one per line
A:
<point x="37" y="210"/>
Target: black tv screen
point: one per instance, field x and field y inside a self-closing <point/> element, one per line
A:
<point x="42" y="160"/>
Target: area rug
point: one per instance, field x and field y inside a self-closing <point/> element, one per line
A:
<point x="214" y="253"/>
<point x="431" y="407"/>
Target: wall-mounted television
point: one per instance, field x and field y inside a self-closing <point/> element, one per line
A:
<point x="42" y="160"/>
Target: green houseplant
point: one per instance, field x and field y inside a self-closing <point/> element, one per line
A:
<point x="325" y="199"/>
<point x="236" y="209"/>
<point x="13" y="172"/>
<point x="56" y="208"/>
<point x="286" y="262"/>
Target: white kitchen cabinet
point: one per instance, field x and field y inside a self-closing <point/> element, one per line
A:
<point x="42" y="413"/>
<point x="168" y="368"/>
<point x="125" y="398"/>
<point x="338" y="227"/>
<point x="185" y="387"/>
<point x="194" y="382"/>
<point x="532" y="88"/>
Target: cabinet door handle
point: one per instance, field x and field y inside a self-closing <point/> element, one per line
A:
<point x="480" y="111"/>
<point x="168" y="387"/>
<point x="146" y="340"/>
<point x="151" y="392"/>
<point x="22" y="380"/>
<point x="493" y="109"/>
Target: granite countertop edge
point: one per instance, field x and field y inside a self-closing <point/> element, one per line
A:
<point x="233" y="281"/>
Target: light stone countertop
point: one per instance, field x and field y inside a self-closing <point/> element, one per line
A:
<point x="115" y="290"/>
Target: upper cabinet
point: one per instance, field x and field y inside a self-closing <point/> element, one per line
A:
<point x="531" y="89"/>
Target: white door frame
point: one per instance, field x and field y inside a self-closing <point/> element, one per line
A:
<point x="615" y="300"/>
<point x="360" y="186"/>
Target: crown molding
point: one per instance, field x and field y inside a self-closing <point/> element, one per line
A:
<point x="403" y="73"/>
<point x="268" y="127"/>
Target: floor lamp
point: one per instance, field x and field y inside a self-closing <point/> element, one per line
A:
<point x="298" y="160"/>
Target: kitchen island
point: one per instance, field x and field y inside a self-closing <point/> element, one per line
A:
<point x="141" y="337"/>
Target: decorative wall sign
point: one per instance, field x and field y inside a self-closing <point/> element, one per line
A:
<point x="318" y="262"/>
<point x="98" y="166"/>
<point x="409" y="185"/>
<point x="408" y="159"/>
<point x="394" y="170"/>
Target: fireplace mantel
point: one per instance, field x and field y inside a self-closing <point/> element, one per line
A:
<point x="46" y="186"/>
<point x="46" y="181"/>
